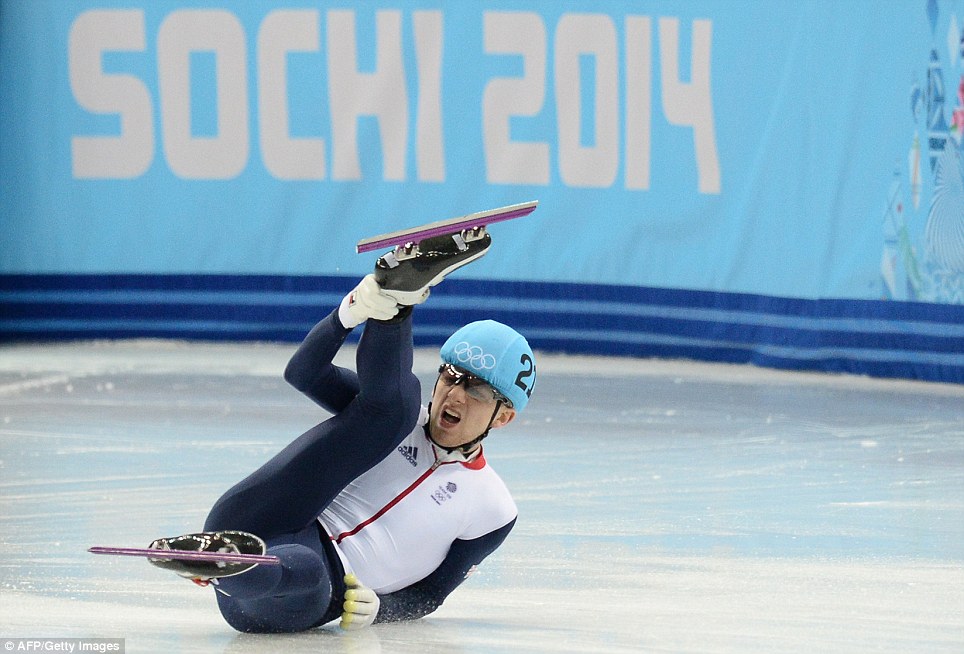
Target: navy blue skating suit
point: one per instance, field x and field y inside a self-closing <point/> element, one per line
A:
<point x="366" y="491"/>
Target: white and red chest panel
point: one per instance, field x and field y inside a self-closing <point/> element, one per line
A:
<point x="394" y="524"/>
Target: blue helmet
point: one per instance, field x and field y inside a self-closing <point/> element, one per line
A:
<point x="496" y="353"/>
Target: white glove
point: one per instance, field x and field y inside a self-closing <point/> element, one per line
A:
<point x="366" y="301"/>
<point x="360" y="607"/>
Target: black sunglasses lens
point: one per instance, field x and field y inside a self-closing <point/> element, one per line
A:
<point x="475" y="386"/>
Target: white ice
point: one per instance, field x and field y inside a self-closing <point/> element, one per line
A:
<point x="664" y="506"/>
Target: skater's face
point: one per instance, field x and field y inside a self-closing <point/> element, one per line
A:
<point x="462" y="406"/>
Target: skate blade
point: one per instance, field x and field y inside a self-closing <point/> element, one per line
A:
<point x="446" y="227"/>
<point x="186" y="555"/>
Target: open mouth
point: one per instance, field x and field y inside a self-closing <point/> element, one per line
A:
<point x="449" y="419"/>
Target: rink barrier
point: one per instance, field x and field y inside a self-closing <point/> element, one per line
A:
<point x="876" y="338"/>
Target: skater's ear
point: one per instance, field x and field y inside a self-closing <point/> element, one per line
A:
<point x="505" y="416"/>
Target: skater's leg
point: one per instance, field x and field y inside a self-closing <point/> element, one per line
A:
<point x="291" y="489"/>
<point x="384" y="364"/>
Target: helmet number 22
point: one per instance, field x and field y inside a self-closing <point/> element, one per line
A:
<point x="522" y="381"/>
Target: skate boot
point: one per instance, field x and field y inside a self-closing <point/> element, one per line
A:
<point x="408" y="272"/>
<point x="225" y="542"/>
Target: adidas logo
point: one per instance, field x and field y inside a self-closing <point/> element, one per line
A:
<point x="410" y="453"/>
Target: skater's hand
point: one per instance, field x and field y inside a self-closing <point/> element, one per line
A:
<point x="366" y="301"/>
<point x="361" y="605"/>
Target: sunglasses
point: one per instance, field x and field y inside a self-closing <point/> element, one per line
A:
<point x="475" y="387"/>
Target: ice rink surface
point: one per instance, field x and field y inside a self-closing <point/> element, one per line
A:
<point x="664" y="506"/>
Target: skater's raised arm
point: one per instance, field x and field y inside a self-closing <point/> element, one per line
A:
<point x="311" y="370"/>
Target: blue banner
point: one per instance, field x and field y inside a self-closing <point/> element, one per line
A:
<point x="781" y="149"/>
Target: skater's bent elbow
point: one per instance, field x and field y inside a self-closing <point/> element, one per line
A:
<point x="295" y="374"/>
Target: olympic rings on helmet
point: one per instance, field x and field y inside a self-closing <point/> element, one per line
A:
<point x="474" y="356"/>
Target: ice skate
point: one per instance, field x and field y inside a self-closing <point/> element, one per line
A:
<point x="424" y="255"/>
<point x="408" y="272"/>
<point x="215" y="542"/>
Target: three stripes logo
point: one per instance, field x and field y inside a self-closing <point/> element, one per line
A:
<point x="410" y="453"/>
